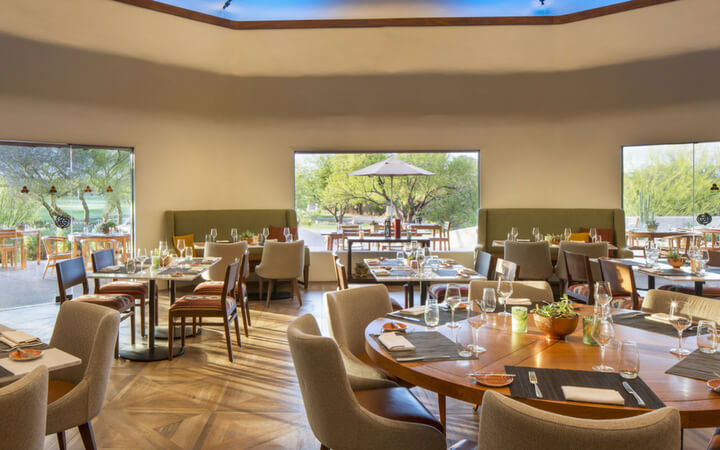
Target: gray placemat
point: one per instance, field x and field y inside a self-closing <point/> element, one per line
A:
<point x="444" y="317"/>
<point x="629" y="262"/>
<point x="400" y="272"/>
<point x="668" y="272"/>
<point x="698" y="365"/>
<point x="446" y="272"/>
<point x="430" y="345"/>
<point x="638" y="320"/>
<point x="551" y="381"/>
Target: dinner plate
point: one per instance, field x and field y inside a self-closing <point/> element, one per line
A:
<point x="714" y="384"/>
<point x="25" y="355"/>
<point x="494" y="380"/>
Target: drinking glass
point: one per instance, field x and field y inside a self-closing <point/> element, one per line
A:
<point x="130" y="265"/>
<point x="514" y="233"/>
<point x="519" y="319"/>
<point x="163" y="251"/>
<point x="567" y="233"/>
<point x="707" y="338"/>
<point x="476" y="322"/>
<point x="142" y="255"/>
<point x="400" y="256"/>
<point x="420" y="258"/>
<point x="208" y="238"/>
<point x="213" y="234"/>
<point x="265" y="234"/>
<point x="629" y="364"/>
<point x="603" y="295"/>
<point x="287" y="234"/>
<point x="407" y="248"/>
<point x="180" y="244"/>
<point x="651" y="254"/>
<point x="488" y="302"/>
<point x="463" y="340"/>
<point x="234" y="234"/>
<point x="603" y="333"/>
<point x="703" y="257"/>
<point x="452" y="299"/>
<point x="504" y="290"/>
<point x="432" y="313"/>
<point x="680" y="319"/>
<point x="593" y="235"/>
<point x="536" y="234"/>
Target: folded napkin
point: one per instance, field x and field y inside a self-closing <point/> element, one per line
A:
<point x="111" y="268"/>
<point x="373" y="262"/>
<point x="414" y="311"/>
<point x="195" y="270"/>
<point x="382" y="272"/>
<point x="393" y="341"/>
<point x="593" y="395"/>
<point x="519" y="301"/>
<point x="207" y="261"/>
<point x="659" y="317"/>
<point x="15" y="338"/>
<point x="467" y="271"/>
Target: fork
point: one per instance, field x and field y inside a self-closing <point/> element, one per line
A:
<point x="534" y="381"/>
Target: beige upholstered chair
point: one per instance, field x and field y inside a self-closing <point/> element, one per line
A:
<point x="533" y="259"/>
<point x="592" y="250"/>
<point x="343" y="418"/>
<point x="536" y="291"/>
<point x="282" y="261"/>
<point x="76" y="394"/>
<point x="228" y="253"/>
<point x="23" y="411"/>
<point x="511" y="425"/>
<point x="701" y="308"/>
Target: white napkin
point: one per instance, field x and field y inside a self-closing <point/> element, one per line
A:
<point x="659" y="317"/>
<point x="373" y="262"/>
<point x="593" y="395"/>
<point x="110" y="268"/>
<point x="519" y="302"/>
<point x="393" y="341"/>
<point x="195" y="270"/>
<point x="414" y="311"/>
<point x="15" y="338"/>
<point x="382" y="272"/>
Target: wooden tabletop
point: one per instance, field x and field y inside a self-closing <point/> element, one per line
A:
<point x="155" y="274"/>
<point x="698" y="406"/>
<point x="428" y="275"/>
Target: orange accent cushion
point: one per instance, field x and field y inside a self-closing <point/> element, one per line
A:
<point x="209" y="288"/>
<point x="581" y="237"/>
<point x="118" y="302"/>
<point x="135" y="288"/>
<point x="57" y="389"/>
<point x="189" y="242"/>
<point x="277" y="233"/>
<point x="605" y="233"/>
<point x="202" y="302"/>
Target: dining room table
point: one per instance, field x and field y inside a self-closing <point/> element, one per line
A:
<point x="513" y="352"/>
<point x="123" y="238"/>
<point x="178" y="270"/>
<point x="675" y="275"/>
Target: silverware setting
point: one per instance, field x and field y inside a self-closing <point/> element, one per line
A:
<point x="632" y="392"/>
<point x="533" y="379"/>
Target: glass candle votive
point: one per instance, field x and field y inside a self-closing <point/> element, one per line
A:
<point x="519" y="319"/>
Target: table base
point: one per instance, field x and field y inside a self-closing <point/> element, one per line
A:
<point x="147" y="354"/>
<point x="161" y="332"/>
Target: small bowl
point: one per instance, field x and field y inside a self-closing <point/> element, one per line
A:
<point x="491" y="380"/>
<point x="394" y="326"/>
<point x="556" y="328"/>
<point x="25" y="355"/>
<point x="714" y="385"/>
<point x="676" y="262"/>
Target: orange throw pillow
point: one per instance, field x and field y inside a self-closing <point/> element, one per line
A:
<point x="581" y="237"/>
<point x="189" y="242"/>
<point x="277" y="233"/>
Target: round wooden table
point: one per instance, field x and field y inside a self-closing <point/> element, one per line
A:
<point x="698" y="406"/>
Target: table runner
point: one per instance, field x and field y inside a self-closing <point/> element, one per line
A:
<point x="698" y="365"/>
<point x="430" y="345"/>
<point x="638" y="320"/>
<point x="551" y="381"/>
<point x="444" y="317"/>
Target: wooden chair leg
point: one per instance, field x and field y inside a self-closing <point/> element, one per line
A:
<point x="182" y="332"/>
<point x="306" y="277"/>
<point x="46" y="268"/>
<point x="260" y="288"/>
<point x="441" y="411"/>
<point x="132" y="327"/>
<point x="194" y="326"/>
<point x="171" y="337"/>
<point x="227" y="339"/>
<point x="142" y="317"/>
<point x="88" y="437"/>
<point x="243" y="310"/>
<point x="269" y="293"/>
<point x="62" y="441"/>
<point x="296" y="290"/>
<point x="247" y="310"/>
<point x="117" y="346"/>
<point x="237" y="329"/>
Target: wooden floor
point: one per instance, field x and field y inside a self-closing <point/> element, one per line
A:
<point x="201" y="401"/>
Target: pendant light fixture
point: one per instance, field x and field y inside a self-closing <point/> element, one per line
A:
<point x="24" y="190"/>
<point x="53" y="190"/>
<point x="109" y="189"/>
<point x="87" y="189"/>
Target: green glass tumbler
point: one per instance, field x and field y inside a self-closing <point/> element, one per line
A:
<point x="588" y="322"/>
<point x="519" y="319"/>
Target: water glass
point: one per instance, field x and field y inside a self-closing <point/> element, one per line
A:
<point x="432" y="313"/>
<point x="208" y="238"/>
<point x="234" y="234"/>
<point x="536" y="234"/>
<point x="504" y="291"/>
<point x="519" y="319"/>
<point x="566" y="233"/>
<point x="707" y="338"/>
<point x="588" y="324"/>
<point x="628" y="360"/>
<point x="130" y="265"/>
<point x="400" y="256"/>
<point x="142" y="256"/>
<point x="452" y="299"/>
<point x="213" y="234"/>
<point x="488" y="302"/>
<point x="464" y="340"/>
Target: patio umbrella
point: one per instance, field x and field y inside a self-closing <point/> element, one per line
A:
<point x="391" y="167"/>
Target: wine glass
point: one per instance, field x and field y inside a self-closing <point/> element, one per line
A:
<point x="180" y="244"/>
<point x="703" y="257"/>
<point x="504" y="290"/>
<point x="567" y="233"/>
<point x="536" y="234"/>
<point x="452" y="299"/>
<point x="163" y="251"/>
<point x="477" y="321"/>
<point x="680" y="319"/>
<point x="265" y="233"/>
<point x="213" y="234"/>
<point x="407" y="249"/>
<point x="142" y="256"/>
<point x="603" y="295"/>
<point x="234" y="234"/>
<point x="603" y="332"/>
<point x="420" y="258"/>
<point x="593" y="235"/>
<point x="514" y="233"/>
<point x="287" y="234"/>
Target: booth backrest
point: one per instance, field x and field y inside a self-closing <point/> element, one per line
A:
<point x="199" y="222"/>
<point x="495" y="223"/>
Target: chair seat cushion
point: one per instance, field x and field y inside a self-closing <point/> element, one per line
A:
<point x="57" y="389"/>
<point x="397" y="404"/>
<point x="193" y="301"/>
<point x="713" y="292"/>
<point x="135" y="288"/>
<point x="209" y="288"/>
<point x="438" y="290"/>
<point x="118" y="302"/>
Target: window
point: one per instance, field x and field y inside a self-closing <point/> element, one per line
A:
<point x="670" y="185"/>
<point x="326" y="195"/>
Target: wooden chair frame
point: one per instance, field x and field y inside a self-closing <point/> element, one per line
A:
<point x="579" y="271"/>
<point x="621" y="278"/>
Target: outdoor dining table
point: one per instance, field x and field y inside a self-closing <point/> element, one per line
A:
<point x="422" y="241"/>
<point x="28" y="232"/>
<point x="698" y="406"/>
<point x="429" y="276"/>
<point x="123" y="238"/>
<point x="153" y="351"/>
<point x="52" y="358"/>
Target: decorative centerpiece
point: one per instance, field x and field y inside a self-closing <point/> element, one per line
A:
<point x="247" y="236"/>
<point x="107" y="227"/>
<point x="674" y="258"/>
<point x="652" y="224"/>
<point x="553" y="238"/>
<point x="557" y="319"/>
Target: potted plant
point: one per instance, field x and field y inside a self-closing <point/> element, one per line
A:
<point x="247" y="235"/>
<point x="674" y="258"/>
<point x="557" y="319"/>
<point x="652" y="224"/>
<point x="107" y="227"/>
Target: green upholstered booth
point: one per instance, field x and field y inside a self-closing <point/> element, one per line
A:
<point x="199" y="222"/>
<point x="495" y="223"/>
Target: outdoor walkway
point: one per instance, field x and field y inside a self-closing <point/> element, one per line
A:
<point x="26" y="287"/>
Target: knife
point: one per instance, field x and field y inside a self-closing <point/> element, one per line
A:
<point x="409" y="358"/>
<point x="632" y="392"/>
<point x="405" y="318"/>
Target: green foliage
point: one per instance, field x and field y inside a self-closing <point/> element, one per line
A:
<point x="558" y="310"/>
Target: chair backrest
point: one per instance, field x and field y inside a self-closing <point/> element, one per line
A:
<point x="621" y="278"/>
<point x="335" y="417"/>
<point x="231" y="276"/>
<point x="578" y="271"/>
<point x="506" y="269"/>
<point x="701" y="308"/>
<point x="536" y="291"/>
<point x="54" y="244"/>
<point x="485" y="263"/>
<point x="89" y="332"/>
<point x="714" y="258"/>
<point x="592" y="249"/>
<point x="340" y="275"/>
<point x="227" y="252"/>
<point x="351" y="310"/>
<point x="501" y="417"/>
<point x="8" y="235"/>
<point x="283" y="260"/>
<point x="533" y="259"/>
<point x="243" y="274"/>
<point x="102" y="259"/>
<point x="23" y="411"/>
<point x="71" y="272"/>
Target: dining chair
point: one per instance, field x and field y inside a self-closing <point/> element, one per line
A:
<point x="23" y="411"/>
<point x="76" y="394"/>
<point x="281" y="261"/>
<point x="193" y="306"/>
<point x="622" y="283"/>
<point x="135" y="289"/>
<point x="55" y="250"/>
<point x="502" y="417"/>
<point x="342" y="283"/>
<point x="228" y="253"/>
<point x="508" y="270"/>
<point x="684" y="242"/>
<point x="9" y="248"/>
<point x="72" y="273"/>
<point x="701" y="308"/>
<point x="580" y="282"/>
<point x="590" y="249"/>
<point x="535" y="290"/>
<point x="94" y="244"/>
<point x="379" y="416"/>
<point x="484" y="265"/>
<point x="533" y="259"/>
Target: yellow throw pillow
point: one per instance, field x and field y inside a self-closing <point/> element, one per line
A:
<point x="189" y="242"/>
<point x="581" y="237"/>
